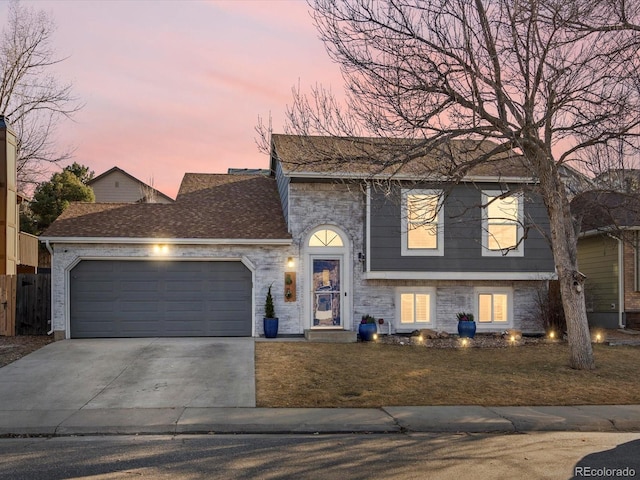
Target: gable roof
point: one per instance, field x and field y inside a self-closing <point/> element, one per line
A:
<point x="345" y="157"/>
<point x="209" y="206"/>
<point x="140" y="182"/>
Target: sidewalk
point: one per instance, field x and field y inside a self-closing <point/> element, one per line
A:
<point x="472" y="419"/>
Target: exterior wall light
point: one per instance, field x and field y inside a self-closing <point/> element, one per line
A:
<point x="290" y="262"/>
<point x="160" y="249"/>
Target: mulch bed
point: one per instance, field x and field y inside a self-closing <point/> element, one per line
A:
<point x="496" y="340"/>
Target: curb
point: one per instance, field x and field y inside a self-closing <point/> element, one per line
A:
<point x="385" y="420"/>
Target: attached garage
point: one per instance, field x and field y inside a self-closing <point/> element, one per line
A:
<point x="181" y="269"/>
<point x="137" y="298"/>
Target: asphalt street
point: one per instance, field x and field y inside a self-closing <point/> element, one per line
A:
<point x="538" y="455"/>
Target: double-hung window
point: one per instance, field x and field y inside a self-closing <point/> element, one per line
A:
<point x="415" y="307"/>
<point x="422" y="219"/>
<point x="502" y="220"/>
<point x="494" y="306"/>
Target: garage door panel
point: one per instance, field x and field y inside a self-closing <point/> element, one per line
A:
<point x="193" y="294"/>
<point x="188" y="310"/>
<point x="140" y="286"/>
<point x="147" y="308"/>
<point x="151" y="298"/>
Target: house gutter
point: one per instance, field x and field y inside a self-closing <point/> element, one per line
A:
<point x="400" y="176"/>
<point x="620" y="284"/>
<point x="48" y="245"/>
<point x="169" y="241"/>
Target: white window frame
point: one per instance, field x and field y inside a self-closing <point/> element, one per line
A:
<point x="517" y="251"/>
<point x="409" y="327"/>
<point x="439" y="222"/>
<point x="335" y="241"/>
<point x="493" y="290"/>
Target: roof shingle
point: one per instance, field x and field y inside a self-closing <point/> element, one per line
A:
<point x="215" y="206"/>
<point x="385" y="157"/>
<point x="606" y="210"/>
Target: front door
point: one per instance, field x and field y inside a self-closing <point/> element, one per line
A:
<point x="326" y="302"/>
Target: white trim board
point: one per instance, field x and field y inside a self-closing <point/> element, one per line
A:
<point x="398" y="275"/>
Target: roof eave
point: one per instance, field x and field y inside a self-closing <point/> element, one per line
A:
<point x="169" y="241"/>
<point x="365" y="176"/>
<point x="607" y="229"/>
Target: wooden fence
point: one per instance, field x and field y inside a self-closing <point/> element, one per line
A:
<point x="28" y="250"/>
<point x="33" y="304"/>
<point x="25" y="304"/>
<point x="8" y="305"/>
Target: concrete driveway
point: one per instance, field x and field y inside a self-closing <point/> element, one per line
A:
<point x="132" y="373"/>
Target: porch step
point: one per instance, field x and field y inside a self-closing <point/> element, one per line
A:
<point x="331" y="336"/>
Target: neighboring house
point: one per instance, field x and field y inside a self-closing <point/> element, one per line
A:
<point x="609" y="256"/>
<point x="619" y="180"/>
<point x="355" y="241"/>
<point x="18" y="250"/>
<point x="574" y="181"/>
<point x="117" y="186"/>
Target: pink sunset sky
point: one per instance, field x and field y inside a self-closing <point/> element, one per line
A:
<point x="171" y="87"/>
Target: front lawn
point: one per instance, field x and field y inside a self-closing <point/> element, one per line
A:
<point x="300" y="374"/>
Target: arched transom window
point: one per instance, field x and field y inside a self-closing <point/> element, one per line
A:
<point x="326" y="238"/>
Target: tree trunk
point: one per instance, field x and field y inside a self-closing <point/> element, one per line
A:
<point x="565" y="253"/>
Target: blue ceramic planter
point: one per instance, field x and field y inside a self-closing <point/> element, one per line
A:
<point x="367" y="331"/>
<point x="467" y="329"/>
<point x="270" y="327"/>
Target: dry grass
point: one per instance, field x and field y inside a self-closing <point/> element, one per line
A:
<point x="290" y="374"/>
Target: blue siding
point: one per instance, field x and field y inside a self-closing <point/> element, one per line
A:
<point x="462" y="235"/>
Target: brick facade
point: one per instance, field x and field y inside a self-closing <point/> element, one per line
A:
<point x="269" y="262"/>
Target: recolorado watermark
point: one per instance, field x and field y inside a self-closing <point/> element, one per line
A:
<point x="582" y="471"/>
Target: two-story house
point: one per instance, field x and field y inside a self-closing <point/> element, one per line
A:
<point x="411" y="250"/>
<point x="355" y="237"/>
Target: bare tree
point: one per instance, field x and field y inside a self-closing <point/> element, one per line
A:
<point x="553" y="81"/>
<point x="148" y="192"/>
<point x="31" y="97"/>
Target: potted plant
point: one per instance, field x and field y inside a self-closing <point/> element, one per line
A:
<point x="270" y="321"/>
<point x="367" y="328"/>
<point x="466" y="325"/>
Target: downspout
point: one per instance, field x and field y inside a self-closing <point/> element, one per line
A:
<point x="48" y="245"/>
<point x="620" y="283"/>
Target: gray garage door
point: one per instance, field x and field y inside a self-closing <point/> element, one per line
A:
<point x="160" y="299"/>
